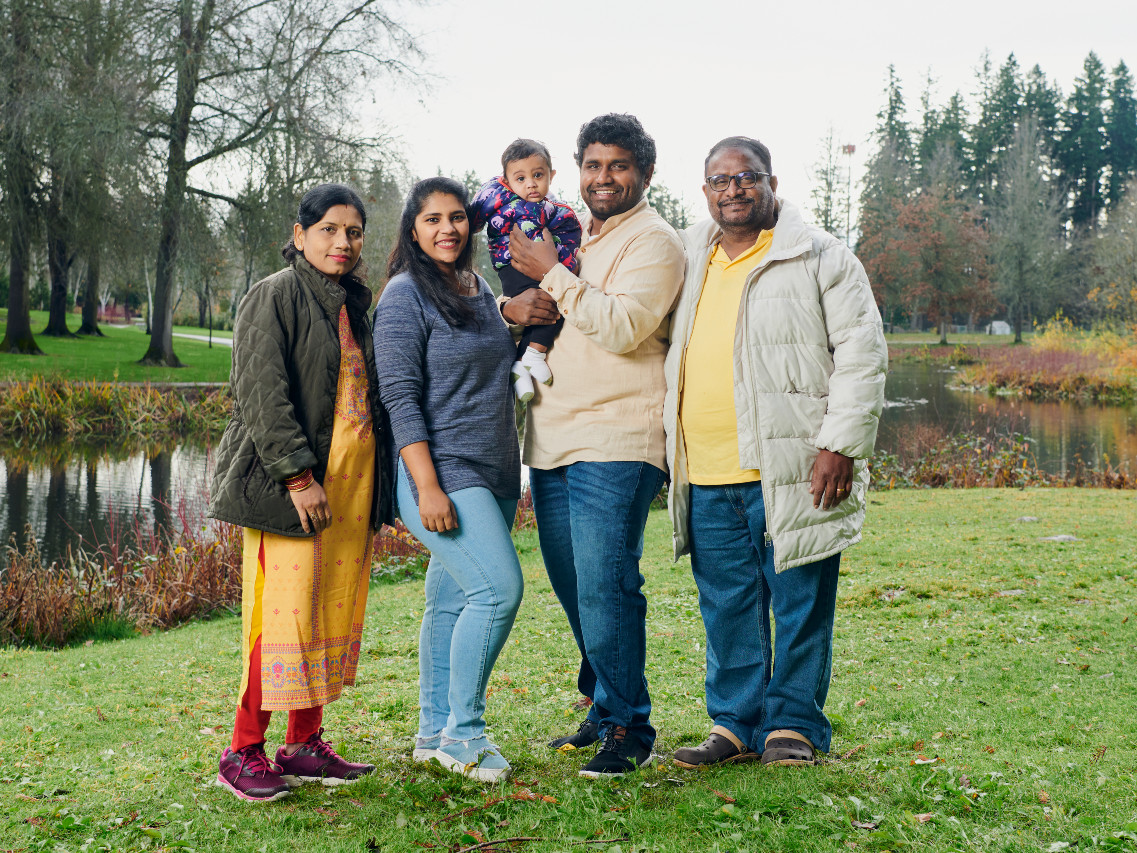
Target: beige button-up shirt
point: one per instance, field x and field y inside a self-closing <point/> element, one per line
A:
<point x="606" y="400"/>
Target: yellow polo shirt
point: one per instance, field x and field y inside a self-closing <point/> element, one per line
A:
<point x="706" y="410"/>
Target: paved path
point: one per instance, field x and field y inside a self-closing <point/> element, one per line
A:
<point x="225" y="342"/>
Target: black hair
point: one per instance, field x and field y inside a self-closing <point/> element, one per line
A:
<point x="618" y="129"/>
<point x="407" y="256"/>
<point x="742" y="143"/>
<point x="522" y="149"/>
<point x="315" y="203"/>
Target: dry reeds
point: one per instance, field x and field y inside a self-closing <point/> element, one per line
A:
<point x="49" y="407"/>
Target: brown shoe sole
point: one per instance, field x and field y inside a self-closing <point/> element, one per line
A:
<point x="741" y="758"/>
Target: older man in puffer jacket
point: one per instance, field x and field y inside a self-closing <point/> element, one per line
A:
<point x="775" y="383"/>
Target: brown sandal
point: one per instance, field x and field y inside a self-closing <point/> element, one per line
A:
<point x="786" y="748"/>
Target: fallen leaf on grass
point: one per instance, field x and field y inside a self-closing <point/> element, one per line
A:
<point x="1043" y="797"/>
<point x="866" y="824"/>
<point x="208" y="730"/>
<point x="923" y="759"/>
<point x="725" y="798"/>
<point x="923" y="818"/>
<point x="860" y="703"/>
<point x="529" y="795"/>
<point x="990" y="750"/>
<point x="99" y="714"/>
<point x="356" y="803"/>
<point x="326" y="812"/>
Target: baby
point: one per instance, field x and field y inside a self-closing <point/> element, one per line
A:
<point x="520" y="196"/>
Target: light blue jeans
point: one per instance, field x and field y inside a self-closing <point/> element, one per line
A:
<point x="473" y="590"/>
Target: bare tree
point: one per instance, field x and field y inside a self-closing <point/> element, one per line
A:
<point x="235" y="66"/>
<point x="830" y="192"/>
<point x="1026" y="225"/>
<point x="1114" y="291"/>
<point x="17" y="111"/>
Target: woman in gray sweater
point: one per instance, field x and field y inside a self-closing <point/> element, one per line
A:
<point x="443" y="354"/>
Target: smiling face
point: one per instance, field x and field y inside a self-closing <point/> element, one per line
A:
<point x="741" y="210"/>
<point x="332" y="245"/>
<point x="529" y="178"/>
<point x="610" y="183"/>
<point x="441" y="230"/>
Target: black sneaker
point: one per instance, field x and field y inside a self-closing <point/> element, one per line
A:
<point x="616" y="756"/>
<point x="586" y="735"/>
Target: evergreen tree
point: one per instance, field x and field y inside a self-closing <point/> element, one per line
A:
<point x="1000" y="104"/>
<point x="886" y="186"/>
<point x="1121" y="133"/>
<point x="1043" y="102"/>
<point x="1082" y="150"/>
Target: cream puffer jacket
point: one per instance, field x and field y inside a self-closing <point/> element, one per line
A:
<point x="809" y="367"/>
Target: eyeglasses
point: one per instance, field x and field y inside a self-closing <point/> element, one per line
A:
<point x="744" y="180"/>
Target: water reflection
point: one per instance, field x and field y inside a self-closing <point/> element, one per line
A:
<point x="72" y="494"/>
<point x="1062" y="432"/>
<point x="82" y="495"/>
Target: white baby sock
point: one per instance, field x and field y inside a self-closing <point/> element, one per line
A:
<point x="535" y="361"/>
<point x="522" y="383"/>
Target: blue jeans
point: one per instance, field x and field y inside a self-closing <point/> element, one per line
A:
<point x="590" y="520"/>
<point x="473" y="590"/>
<point x="750" y="691"/>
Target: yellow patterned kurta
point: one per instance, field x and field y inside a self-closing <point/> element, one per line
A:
<point x="307" y="601"/>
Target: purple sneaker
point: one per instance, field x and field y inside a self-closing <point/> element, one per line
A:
<point x="250" y="775"/>
<point x="316" y="761"/>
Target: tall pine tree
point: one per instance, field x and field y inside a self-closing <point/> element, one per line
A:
<point x="1082" y="149"/>
<point x="1121" y="133"/>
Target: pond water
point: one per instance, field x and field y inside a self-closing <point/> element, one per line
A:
<point x="1061" y="433"/>
<point x="73" y="494"/>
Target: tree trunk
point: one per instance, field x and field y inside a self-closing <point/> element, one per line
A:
<point x="19" y="174"/>
<point x="161" y="350"/>
<point x="202" y="311"/>
<point x="90" y="324"/>
<point x="943" y="332"/>
<point x="1018" y="324"/>
<point x="57" y="266"/>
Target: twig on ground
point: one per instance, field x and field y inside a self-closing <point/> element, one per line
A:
<point x="468" y="811"/>
<point x="606" y="840"/>
<point x="485" y="845"/>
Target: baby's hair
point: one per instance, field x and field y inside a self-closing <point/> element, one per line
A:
<point x="522" y="149"/>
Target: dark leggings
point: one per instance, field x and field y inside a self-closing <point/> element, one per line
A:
<point x="512" y="284"/>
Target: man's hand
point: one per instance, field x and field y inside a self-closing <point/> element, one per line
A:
<point x="831" y="479"/>
<point x="312" y="507"/>
<point x="532" y="307"/>
<point x="532" y="258"/>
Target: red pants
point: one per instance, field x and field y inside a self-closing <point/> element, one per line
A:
<point x="252" y="722"/>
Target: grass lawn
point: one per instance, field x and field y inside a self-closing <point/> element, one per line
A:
<point x="983" y="699"/>
<point x="115" y="356"/>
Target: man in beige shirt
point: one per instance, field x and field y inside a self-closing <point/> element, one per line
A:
<point x="594" y="439"/>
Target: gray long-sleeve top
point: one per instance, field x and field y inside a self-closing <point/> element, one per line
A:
<point x="449" y="387"/>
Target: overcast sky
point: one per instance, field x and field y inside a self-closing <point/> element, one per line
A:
<point x="697" y="71"/>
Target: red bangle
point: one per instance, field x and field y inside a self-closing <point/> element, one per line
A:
<point x="300" y="482"/>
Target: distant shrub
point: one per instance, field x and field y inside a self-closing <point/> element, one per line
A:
<point x="928" y="457"/>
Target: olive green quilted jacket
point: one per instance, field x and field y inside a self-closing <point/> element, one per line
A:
<point x="286" y="359"/>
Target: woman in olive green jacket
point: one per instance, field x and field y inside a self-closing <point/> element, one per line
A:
<point x="303" y="468"/>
